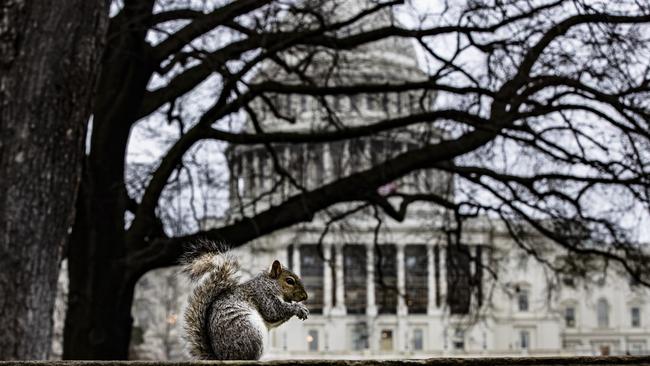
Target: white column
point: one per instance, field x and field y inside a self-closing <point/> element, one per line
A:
<point x="276" y="196"/>
<point x="296" y="260"/>
<point x="339" y="308"/>
<point x="233" y="178"/>
<point x="367" y="154"/>
<point x="473" y="270"/>
<point x="287" y="188"/>
<point x="255" y="176"/>
<point x="371" y="306"/>
<point x="472" y="260"/>
<point x="442" y="283"/>
<point x="481" y="269"/>
<point x="401" y="278"/>
<point x="402" y="309"/>
<point x="266" y="178"/>
<point x="327" y="279"/>
<point x="431" y="280"/>
<point x="327" y="165"/>
<point x="345" y="161"/>
<point x="244" y="175"/>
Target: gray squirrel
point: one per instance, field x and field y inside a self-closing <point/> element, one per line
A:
<point x="228" y="320"/>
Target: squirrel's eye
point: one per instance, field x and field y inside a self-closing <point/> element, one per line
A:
<point x="290" y="281"/>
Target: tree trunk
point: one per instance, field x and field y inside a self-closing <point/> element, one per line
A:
<point x="98" y="318"/>
<point x="49" y="58"/>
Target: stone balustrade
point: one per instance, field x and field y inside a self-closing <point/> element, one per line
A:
<point x="479" y="361"/>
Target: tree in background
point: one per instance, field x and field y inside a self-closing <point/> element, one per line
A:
<point x="543" y="104"/>
<point x="49" y="60"/>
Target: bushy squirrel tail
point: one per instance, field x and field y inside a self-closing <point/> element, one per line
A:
<point x="212" y="271"/>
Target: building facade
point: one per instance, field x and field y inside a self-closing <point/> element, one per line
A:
<point x="420" y="308"/>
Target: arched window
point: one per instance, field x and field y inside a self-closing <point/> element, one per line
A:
<point x="602" y="310"/>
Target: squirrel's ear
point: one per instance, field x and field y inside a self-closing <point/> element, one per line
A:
<point x="276" y="269"/>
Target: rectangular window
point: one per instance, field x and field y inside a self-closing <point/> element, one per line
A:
<point x="416" y="268"/>
<point x="311" y="271"/>
<point x="412" y="107"/>
<point x="249" y="172"/>
<point x="398" y="103"/>
<point x="276" y="103"/>
<point x="370" y="102"/>
<point x="287" y="104"/>
<point x="377" y="151"/>
<point x="359" y="336"/>
<point x="303" y="103"/>
<point x="312" y="340"/>
<point x="570" y="317"/>
<point x="337" y="103"/>
<point x="636" y="317"/>
<point x="637" y="348"/>
<point x="418" y="339"/>
<point x="478" y="276"/>
<point x="386" y="341"/>
<point x="353" y="102"/>
<point x="522" y="300"/>
<point x="354" y="277"/>
<point x="604" y="350"/>
<point x="524" y="339"/>
<point x="458" y="279"/>
<point x="263" y="157"/>
<point x="602" y="310"/>
<point x="315" y="166"/>
<point x="336" y="155"/>
<point x="459" y="339"/>
<point x="386" y="279"/>
<point x="569" y="281"/>
<point x="357" y="154"/>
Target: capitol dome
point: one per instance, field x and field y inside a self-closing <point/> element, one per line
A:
<point x="391" y="60"/>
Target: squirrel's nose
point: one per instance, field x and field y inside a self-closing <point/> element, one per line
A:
<point x="304" y="296"/>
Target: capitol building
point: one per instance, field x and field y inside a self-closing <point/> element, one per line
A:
<point x="379" y="288"/>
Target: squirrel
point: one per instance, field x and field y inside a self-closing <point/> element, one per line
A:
<point x="228" y="320"/>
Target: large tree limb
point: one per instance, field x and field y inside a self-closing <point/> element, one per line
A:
<point x="302" y="207"/>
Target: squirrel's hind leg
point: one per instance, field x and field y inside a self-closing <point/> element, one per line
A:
<point x="243" y="339"/>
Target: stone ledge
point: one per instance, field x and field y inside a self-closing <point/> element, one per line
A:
<point x="493" y="361"/>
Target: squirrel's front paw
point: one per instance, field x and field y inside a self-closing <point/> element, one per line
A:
<point x="301" y="311"/>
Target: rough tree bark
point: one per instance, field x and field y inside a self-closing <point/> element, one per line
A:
<point x="49" y="59"/>
<point x="98" y="319"/>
